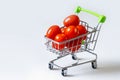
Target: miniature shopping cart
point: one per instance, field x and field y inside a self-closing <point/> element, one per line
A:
<point x="88" y="45"/>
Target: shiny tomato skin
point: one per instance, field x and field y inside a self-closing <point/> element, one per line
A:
<point x="63" y="29"/>
<point x="71" y="20"/>
<point x="71" y="32"/>
<point x="53" y="31"/>
<point x="59" y="38"/>
<point x="82" y="30"/>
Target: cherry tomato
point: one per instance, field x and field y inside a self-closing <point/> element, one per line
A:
<point x="72" y="43"/>
<point x="59" y="38"/>
<point x="63" y="29"/>
<point x="82" y="30"/>
<point x="71" y="32"/>
<point x="71" y="20"/>
<point x="74" y="48"/>
<point x="53" y="31"/>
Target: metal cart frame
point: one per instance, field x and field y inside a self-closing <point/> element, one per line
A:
<point x="87" y="45"/>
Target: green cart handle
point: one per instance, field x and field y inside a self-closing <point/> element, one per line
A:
<point x="101" y="18"/>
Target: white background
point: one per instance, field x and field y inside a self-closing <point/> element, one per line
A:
<point x="23" y="24"/>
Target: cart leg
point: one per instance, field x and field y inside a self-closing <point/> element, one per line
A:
<point x="74" y="57"/>
<point x="94" y="64"/>
<point x="64" y="72"/>
<point x="50" y="65"/>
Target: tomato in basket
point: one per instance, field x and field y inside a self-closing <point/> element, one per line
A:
<point x="53" y="31"/>
<point x="74" y="48"/>
<point x="72" y="43"/>
<point x="82" y="30"/>
<point x="59" y="38"/>
<point x="71" y="20"/>
<point x="71" y="32"/>
<point x="63" y="29"/>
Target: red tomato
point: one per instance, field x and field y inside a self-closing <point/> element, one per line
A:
<point x="71" y="32"/>
<point x="63" y="29"/>
<point x="71" y="20"/>
<point x="59" y="38"/>
<point x="82" y="30"/>
<point x="73" y="43"/>
<point x="53" y="31"/>
<point x="74" y="48"/>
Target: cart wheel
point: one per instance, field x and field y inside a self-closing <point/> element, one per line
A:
<point x="50" y="66"/>
<point x="94" y="64"/>
<point x="74" y="57"/>
<point x="64" y="72"/>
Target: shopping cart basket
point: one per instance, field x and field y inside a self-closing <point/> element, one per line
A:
<point x="88" y="45"/>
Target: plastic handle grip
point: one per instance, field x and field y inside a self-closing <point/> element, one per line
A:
<point x="101" y="18"/>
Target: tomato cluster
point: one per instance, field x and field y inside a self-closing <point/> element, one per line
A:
<point x="71" y="30"/>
